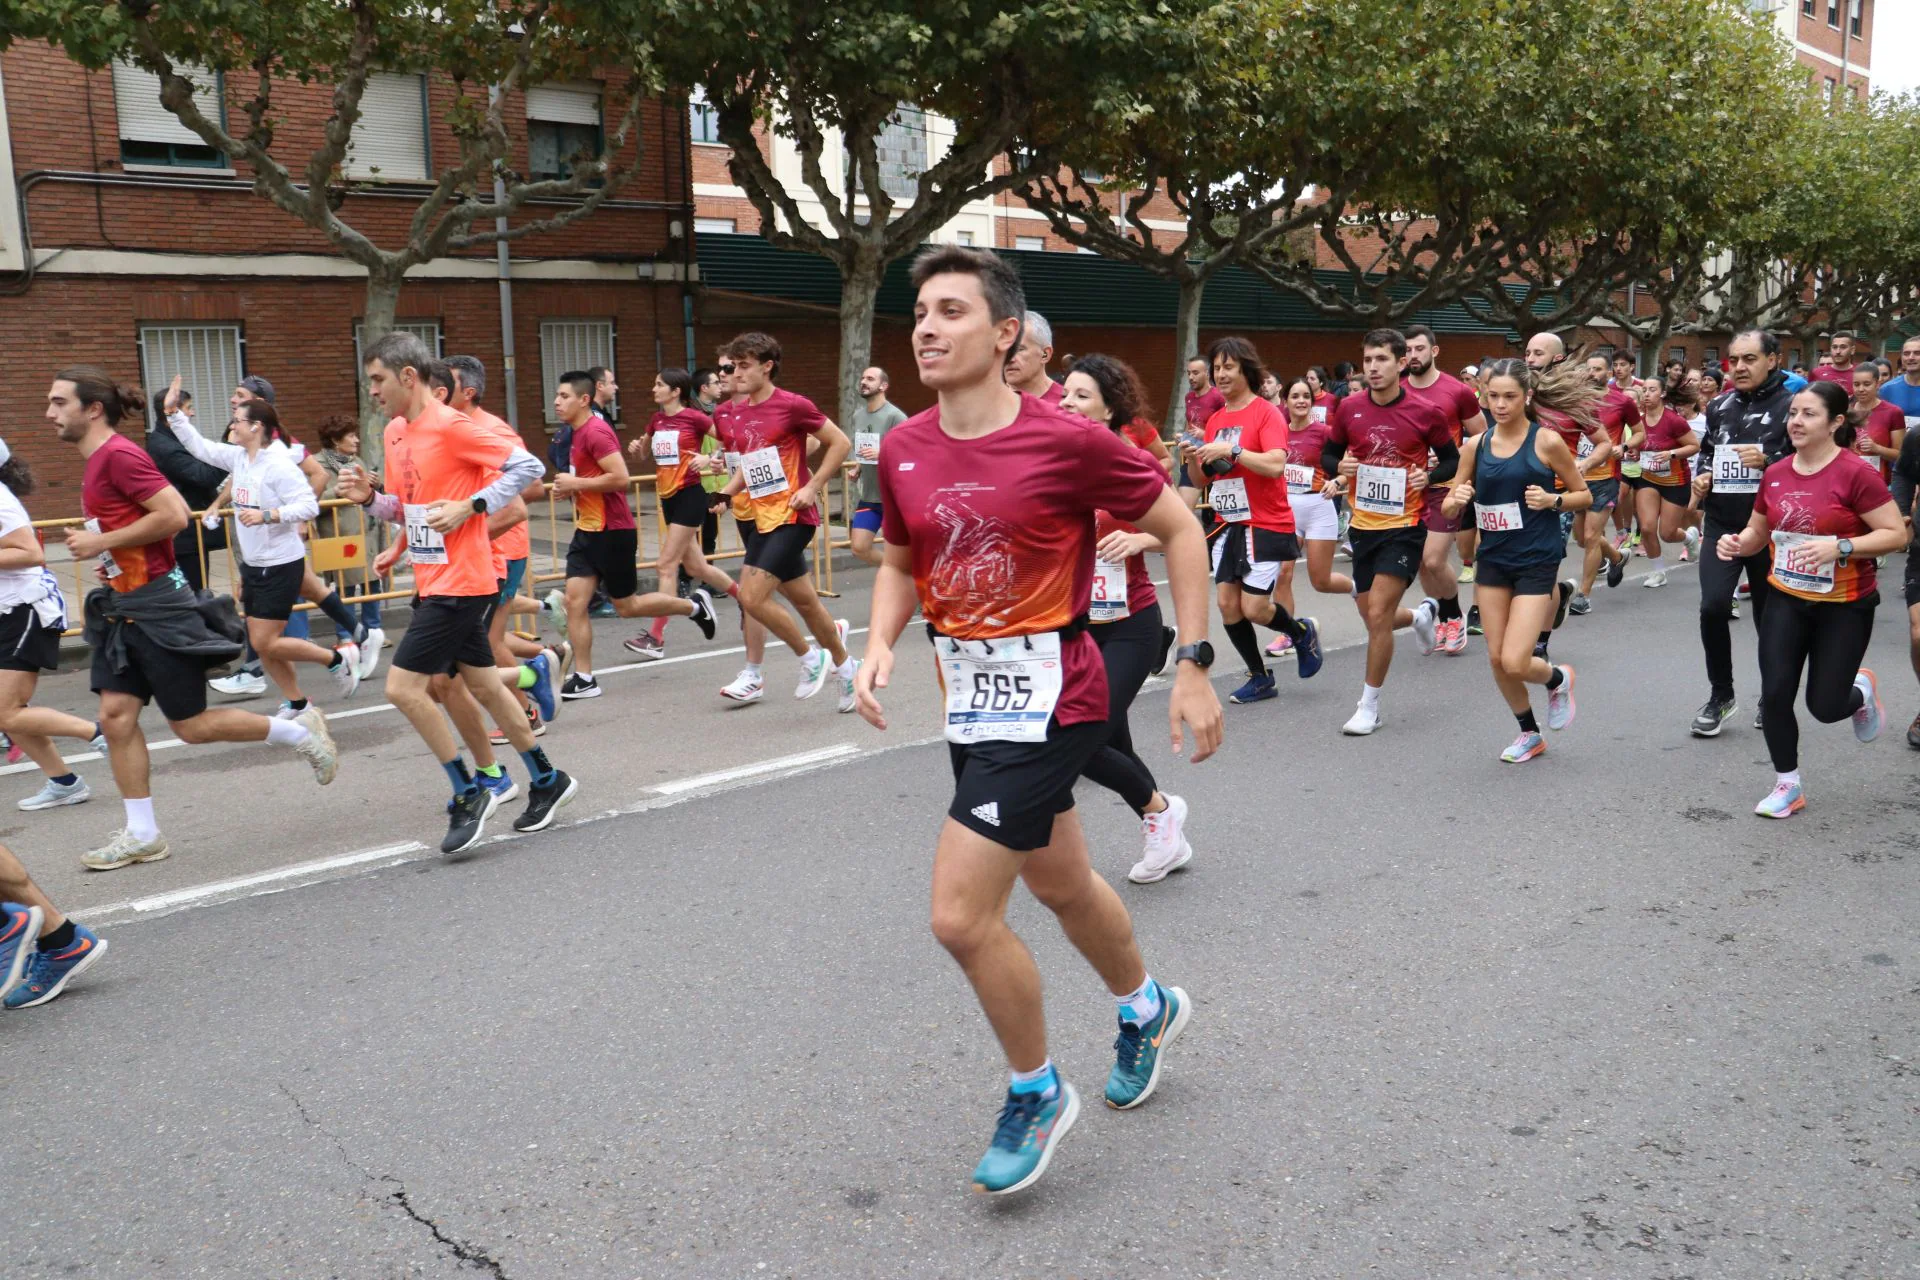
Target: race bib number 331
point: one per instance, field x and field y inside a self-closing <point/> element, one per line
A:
<point x="1000" y="690"/>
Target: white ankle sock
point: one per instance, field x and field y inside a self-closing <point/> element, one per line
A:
<point x="1370" y="697"/>
<point x="140" y="822"/>
<point x="286" y="733"/>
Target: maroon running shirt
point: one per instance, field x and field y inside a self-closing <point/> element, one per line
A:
<point x="1202" y="405"/>
<point x="1397" y="435"/>
<point x="1829" y="503"/>
<point x="119" y="477"/>
<point x="1001" y="528"/>
<point x="1453" y="398"/>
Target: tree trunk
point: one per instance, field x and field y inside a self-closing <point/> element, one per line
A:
<point x="859" y="286"/>
<point x="383" y="300"/>
<point x="1186" y="342"/>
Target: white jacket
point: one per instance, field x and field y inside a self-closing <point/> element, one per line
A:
<point x="270" y="479"/>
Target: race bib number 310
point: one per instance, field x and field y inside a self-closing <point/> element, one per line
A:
<point x="1000" y="690"/>
<point x="1380" y="491"/>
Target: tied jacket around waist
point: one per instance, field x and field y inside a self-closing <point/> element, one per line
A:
<point x="170" y="615"/>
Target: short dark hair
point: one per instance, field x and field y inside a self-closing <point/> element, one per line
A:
<point x="1242" y="353"/>
<point x="472" y="373"/>
<point x="755" y="345"/>
<point x="1769" y="344"/>
<point x="1119" y="386"/>
<point x="598" y="372"/>
<point x="1621" y="353"/>
<point x="160" y="408"/>
<point x="334" y="428"/>
<point x="438" y="374"/>
<point x="580" y="380"/>
<point x="1413" y="331"/>
<point x="1392" y="339"/>
<point x="94" y="385"/>
<point x="703" y="373"/>
<point x="1837" y="401"/>
<point x="397" y="349"/>
<point x="262" y="413"/>
<point x="1006" y="295"/>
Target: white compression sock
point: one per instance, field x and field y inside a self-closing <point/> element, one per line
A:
<point x="140" y="821"/>
<point x="1370" y="697"/>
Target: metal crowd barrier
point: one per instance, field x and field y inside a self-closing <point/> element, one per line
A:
<point x="346" y="553"/>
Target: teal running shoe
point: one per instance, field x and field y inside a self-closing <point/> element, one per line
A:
<point x="1031" y="1126"/>
<point x="1139" y="1051"/>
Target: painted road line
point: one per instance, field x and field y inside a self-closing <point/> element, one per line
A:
<point x="240" y="886"/>
<point x="799" y="759"/>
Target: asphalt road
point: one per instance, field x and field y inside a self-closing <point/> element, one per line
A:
<point x="1581" y="1017"/>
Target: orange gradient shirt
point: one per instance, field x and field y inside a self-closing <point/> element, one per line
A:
<point x="443" y="455"/>
<point x="689" y="427"/>
<point x="517" y="542"/>
<point x="782" y="422"/>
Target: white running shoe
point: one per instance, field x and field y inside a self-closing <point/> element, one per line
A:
<point x="370" y="652"/>
<point x="286" y="711"/>
<point x="746" y="687"/>
<point x="124" y="850"/>
<point x="53" y="795"/>
<point x="1167" y="848"/>
<point x="842" y="628"/>
<point x="1364" y="722"/>
<point x="1426" y="626"/>
<point x="318" y="750"/>
<point x="847" y="674"/>
<point x="1560" y="706"/>
<point x="346" y="676"/>
<point x="555" y="605"/>
<point x="240" y="684"/>
<point x="1691" y="537"/>
<point x="814" y="670"/>
<point x="1658" y="578"/>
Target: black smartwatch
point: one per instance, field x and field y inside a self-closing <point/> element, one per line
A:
<point x="1846" y="549"/>
<point x="479" y="506"/>
<point x="1200" y="655"/>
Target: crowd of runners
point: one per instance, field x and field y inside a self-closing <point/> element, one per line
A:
<point x="1012" y="522"/>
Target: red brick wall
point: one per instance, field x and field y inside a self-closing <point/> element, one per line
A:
<point x="299" y="334"/>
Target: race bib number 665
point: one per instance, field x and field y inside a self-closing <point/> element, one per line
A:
<point x="1000" y="690"/>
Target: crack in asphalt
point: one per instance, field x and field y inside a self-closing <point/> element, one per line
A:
<point x="465" y="1253"/>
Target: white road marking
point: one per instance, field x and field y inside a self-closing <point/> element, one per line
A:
<point x="700" y="781"/>
<point x="219" y="890"/>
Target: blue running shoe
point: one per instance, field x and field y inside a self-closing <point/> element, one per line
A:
<point x="1138" y="1051"/>
<point x="1256" y="689"/>
<point x="19" y="932"/>
<point x="1030" y="1127"/>
<point x="49" y="972"/>
<point x="1309" y="649"/>
<point x="500" y="789"/>
<point x="542" y="691"/>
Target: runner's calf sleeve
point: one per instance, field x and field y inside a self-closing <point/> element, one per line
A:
<point x="1247" y="644"/>
<point x="336" y="609"/>
<point x="1286" y="624"/>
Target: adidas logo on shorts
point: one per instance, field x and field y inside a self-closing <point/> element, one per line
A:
<point x="988" y="812"/>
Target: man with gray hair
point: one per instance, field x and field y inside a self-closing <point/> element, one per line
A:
<point x="1027" y="366"/>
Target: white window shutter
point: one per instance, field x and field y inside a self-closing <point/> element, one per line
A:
<point x="564" y="103"/>
<point x="568" y="345"/>
<point x="389" y="141"/>
<point x="207" y="359"/>
<point x="136" y="100"/>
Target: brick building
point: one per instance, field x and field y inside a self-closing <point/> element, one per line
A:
<point x="1832" y="39"/>
<point x="146" y="252"/>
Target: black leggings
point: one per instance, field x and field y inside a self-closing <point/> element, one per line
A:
<point x="1129" y="649"/>
<point x="1717" y="581"/>
<point x="1829" y="640"/>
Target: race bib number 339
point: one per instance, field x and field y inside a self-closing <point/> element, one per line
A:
<point x="1000" y="690"/>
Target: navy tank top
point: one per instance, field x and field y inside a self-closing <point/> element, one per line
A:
<point x="1511" y="535"/>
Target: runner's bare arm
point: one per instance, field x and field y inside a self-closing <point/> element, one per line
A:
<point x="1194" y="702"/>
<point x="835" y="448"/>
<point x="21" y="549"/>
<point x="167" y="515"/>
<point x="498" y="522"/>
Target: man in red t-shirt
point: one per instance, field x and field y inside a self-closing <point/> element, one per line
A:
<point x="150" y="643"/>
<point x="1460" y="408"/>
<point x="1243" y="463"/>
<point x="1838" y="367"/>
<point x="1384" y="449"/>
<point x="605" y="549"/>
<point x="770" y="429"/>
<point x="989" y="502"/>
<point x="1203" y="400"/>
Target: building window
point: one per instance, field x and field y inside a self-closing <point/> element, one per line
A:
<point x="1793" y="357"/>
<point x="1832" y="88"/>
<point x="1807" y="7"/>
<point x="1710" y="355"/>
<point x="1853" y="18"/>
<point x="964" y="238"/>
<point x="1676" y="353"/>
<point x="715" y="227"/>
<point x="703" y="122"/>
<point x="567" y="345"/>
<point x="1033" y="244"/>
<point x="903" y="152"/>
<point x="1833" y="14"/>
<point x="389" y="142"/>
<point x="207" y="360"/>
<point x="563" y="125"/>
<point x="151" y="134"/>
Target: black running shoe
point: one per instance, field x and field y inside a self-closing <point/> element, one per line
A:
<point x="703" y="611"/>
<point x="578" y="687"/>
<point x="543" y="802"/>
<point x="1166" y="647"/>
<point x="1473" y="621"/>
<point x="1712" y="717"/>
<point x="1616" y="571"/>
<point x="1913" y="734"/>
<point x="466" y="818"/>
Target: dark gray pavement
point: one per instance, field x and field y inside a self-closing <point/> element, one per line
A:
<point x="1582" y="1017"/>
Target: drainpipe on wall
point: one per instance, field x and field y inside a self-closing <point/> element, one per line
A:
<point x="505" y="272"/>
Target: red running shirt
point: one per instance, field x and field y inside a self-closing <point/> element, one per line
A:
<point x="1830" y="503"/>
<point x="782" y="422"/>
<point x="1663" y="437"/>
<point x="1260" y="428"/>
<point x="118" y="478"/>
<point x="1453" y="398"/>
<point x="594" y="511"/>
<point x="691" y="427"/>
<point x="1395" y="436"/>
<point x="1879" y="427"/>
<point x="1001" y="528"/>
<point x="1202" y="405"/>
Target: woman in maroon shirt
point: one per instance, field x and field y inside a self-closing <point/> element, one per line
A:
<point x="1827" y="514"/>
<point x="1661" y="478"/>
<point x="1125" y="622"/>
